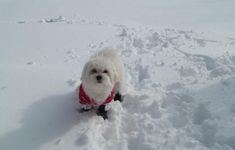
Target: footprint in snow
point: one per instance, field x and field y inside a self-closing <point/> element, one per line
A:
<point x="30" y="63"/>
<point x="200" y="114"/>
<point x="3" y="88"/>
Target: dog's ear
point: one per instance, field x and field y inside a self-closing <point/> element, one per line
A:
<point x="84" y="71"/>
<point x="115" y="75"/>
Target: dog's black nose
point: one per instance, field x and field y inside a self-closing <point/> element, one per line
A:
<point x="99" y="78"/>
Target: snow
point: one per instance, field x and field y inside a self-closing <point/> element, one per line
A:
<point x="179" y="58"/>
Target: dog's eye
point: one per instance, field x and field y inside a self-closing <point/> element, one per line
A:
<point x="93" y="71"/>
<point x="106" y="71"/>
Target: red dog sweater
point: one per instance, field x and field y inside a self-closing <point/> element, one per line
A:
<point x="86" y="100"/>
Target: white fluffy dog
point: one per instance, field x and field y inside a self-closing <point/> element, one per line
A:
<point x="102" y="81"/>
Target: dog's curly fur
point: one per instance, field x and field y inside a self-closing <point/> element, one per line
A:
<point x="103" y="72"/>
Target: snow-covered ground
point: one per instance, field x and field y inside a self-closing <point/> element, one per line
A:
<point x="180" y="63"/>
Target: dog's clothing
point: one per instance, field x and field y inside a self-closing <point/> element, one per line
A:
<point x="86" y="100"/>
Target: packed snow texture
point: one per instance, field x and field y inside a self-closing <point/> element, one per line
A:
<point x="180" y="79"/>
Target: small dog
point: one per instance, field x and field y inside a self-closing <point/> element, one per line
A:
<point x="102" y="81"/>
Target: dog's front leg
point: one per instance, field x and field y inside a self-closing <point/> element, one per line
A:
<point x="85" y="108"/>
<point x="101" y="111"/>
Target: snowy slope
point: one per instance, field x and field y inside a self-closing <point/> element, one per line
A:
<point x="180" y="63"/>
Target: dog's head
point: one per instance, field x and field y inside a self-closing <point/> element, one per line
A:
<point x="99" y="72"/>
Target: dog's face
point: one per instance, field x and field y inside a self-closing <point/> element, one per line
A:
<point x="99" y="73"/>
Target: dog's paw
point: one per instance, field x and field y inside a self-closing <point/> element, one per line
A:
<point x="104" y="115"/>
<point x="85" y="108"/>
<point x="102" y="112"/>
<point x="81" y="110"/>
<point x="118" y="97"/>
